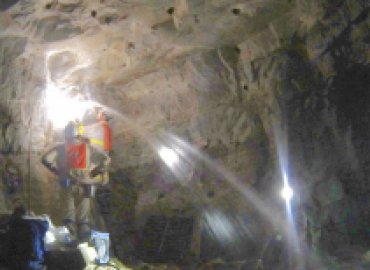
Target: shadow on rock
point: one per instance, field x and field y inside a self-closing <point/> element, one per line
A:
<point x="5" y="4"/>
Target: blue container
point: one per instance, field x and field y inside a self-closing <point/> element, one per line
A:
<point x="101" y="244"/>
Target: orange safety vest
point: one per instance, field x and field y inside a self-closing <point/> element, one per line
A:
<point x="76" y="160"/>
<point x="76" y="156"/>
<point x="99" y="135"/>
<point x="107" y="137"/>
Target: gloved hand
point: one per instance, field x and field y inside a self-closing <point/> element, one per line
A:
<point x="105" y="179"/>
<point x="94" y="172"/>
<point x="84" y="139"/>
<point x="65" y="181"/>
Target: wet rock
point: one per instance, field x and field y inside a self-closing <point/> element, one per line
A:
<point x="69" y="2"/>
<point x="67" y="8"/>
<point x="326" y="65"/>
<point x="61" y="64"/>
<point x="328" y="191"/>
<point x="56" y="29"/>
<point x="13" y="46"/>
<point x="354" y="8"/>
<point x="108" y="19"/>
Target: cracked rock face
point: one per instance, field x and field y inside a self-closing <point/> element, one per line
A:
<point x="251" y="86"/>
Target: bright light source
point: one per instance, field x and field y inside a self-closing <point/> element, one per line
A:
<point x="287" y="193"/>
<point x="62" y="109"/>
<point x="83" y="245"/>
<point x="169" y="156"/>
<point x="92" y="253"/>
<point x="89" y="253"/>
<point x="49" y="237"/>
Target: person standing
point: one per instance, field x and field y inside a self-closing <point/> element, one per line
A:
<point x="100" y="136"/>
<point x="77" y="165"/>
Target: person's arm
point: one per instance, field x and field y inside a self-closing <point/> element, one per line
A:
<point x="103" y="164"/>
<point x="48" y="158"/>
<point x="100" y="161"/>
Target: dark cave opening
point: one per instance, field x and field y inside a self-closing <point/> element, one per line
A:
<point x="6" y="4"/>
<point x="349" y="92"/>
<point x="349" y="95"/>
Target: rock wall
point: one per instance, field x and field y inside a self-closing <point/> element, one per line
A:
<point x="253" y="85"/>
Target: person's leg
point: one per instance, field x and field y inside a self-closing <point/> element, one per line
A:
<point x="95" y="209"/>
<point x="103" y="200"/>
<point x="99" y="222"/>
<point x="83" y="213"/>
<point x="68" y="208"/>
